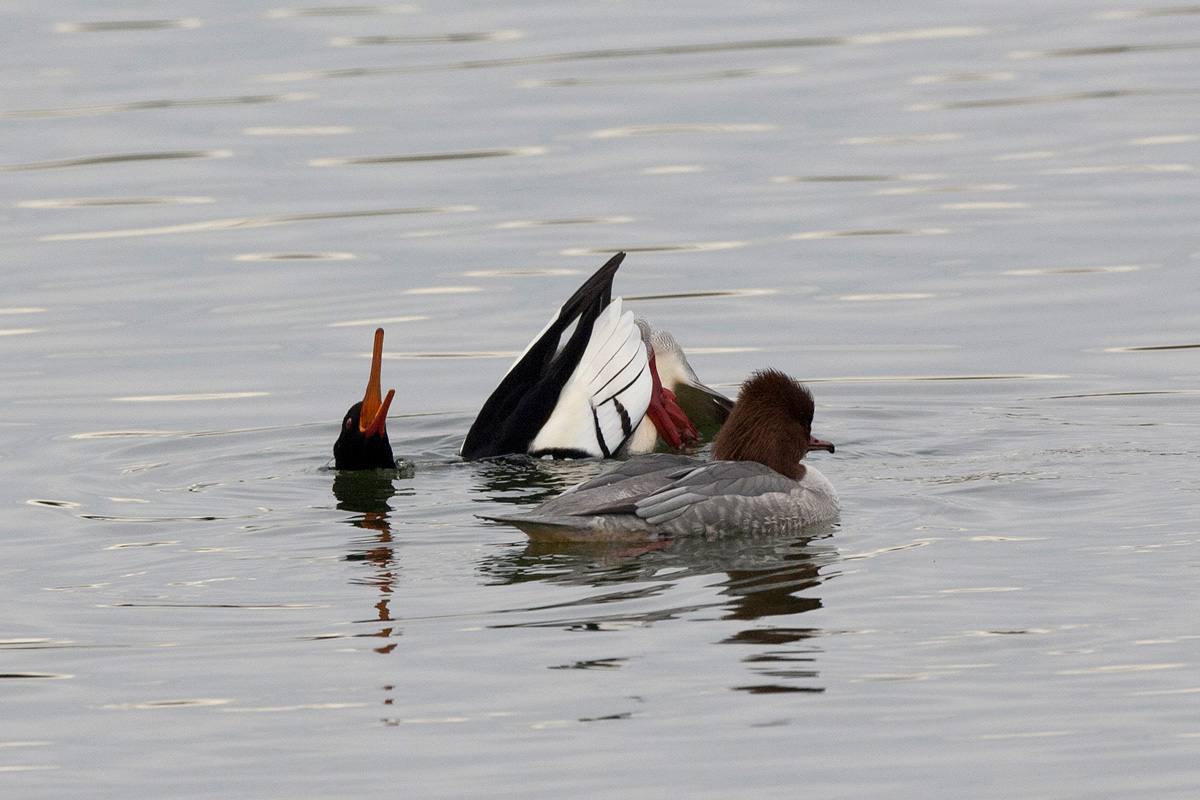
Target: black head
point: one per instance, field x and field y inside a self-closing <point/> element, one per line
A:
<point x="363" y="440"/>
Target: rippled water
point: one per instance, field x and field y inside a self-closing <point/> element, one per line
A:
<point x="971" y="228"/>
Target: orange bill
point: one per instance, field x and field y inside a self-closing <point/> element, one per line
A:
<point x="377" y="424"/>
<point x="374" y="410"/>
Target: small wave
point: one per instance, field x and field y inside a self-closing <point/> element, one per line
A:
<point x="187" y="23"/>
<point x="499" y="152"/>
<point x="119" y="158"/>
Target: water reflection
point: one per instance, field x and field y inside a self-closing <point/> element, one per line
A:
<point x="761" y="577"/>
<point x="368" y="494"/>
<point x="521" y="480"/>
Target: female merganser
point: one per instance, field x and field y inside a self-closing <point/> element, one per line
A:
<point x="601" y="394"/>
<point x="755" y="484"/>
<point x="363" y="442"/>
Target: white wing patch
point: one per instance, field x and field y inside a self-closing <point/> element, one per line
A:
<point x="608" y="393"/>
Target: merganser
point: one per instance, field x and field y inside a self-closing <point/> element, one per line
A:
<point x="755" y="483"/>
<point x="601" y="394"/>
<point x="363" y="441"/>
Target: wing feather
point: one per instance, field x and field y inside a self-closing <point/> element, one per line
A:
<point x="606" y="395"/>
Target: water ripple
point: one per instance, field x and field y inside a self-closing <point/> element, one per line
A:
<point x="870" y="298"/>
<point x="295" y="257"/>
<point x="1152" y="347"/>
<point x="1136" y="13"/>
<point x="535" y="223"/>
<point x="711" y="293"/>
<point x="90" y="202"/>
<point x="906" y="378"/>
<point x="1105" y="50"/>
<point x="921" y="176"/>
<point x="21" y="675"/>
<point x="1175" y="138"/>
<point x="247" y="222"/>
<point x="176" y="398"/>
<point x="654" y="130"/>
<point x="375" y="323"/>
<point x="723" y="74"/>
<point x="1145" y="393"/>
<point x="923" y="80"/>
<point x="341" y="11"/>
<point x="1104" y="94"/>
<point x="518" y="273"/>
<point x="966" y="187"/>
<point x="188" y="702"/>
<point x="666" y="248"/>
<point x="914" y="138"/>
<point x="144" y="105"/>
<point x="127" y="25"/>
<point x="1100" y="169"/>
<point x="984" y="206"/>
<point x="461" y="354"/>
<point x="86" y="161"/>
<point x="445" y="38"/>
<point x="634" y="52"/>
<point x="869" y="232"/>
<point x="298" y="130"/>
<point x="1074" y="270"/>
<point x="498" y="152"/>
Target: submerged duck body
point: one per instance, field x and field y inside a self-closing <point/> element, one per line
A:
<point x="597" y="395"/>
<point x="755" y="484"/>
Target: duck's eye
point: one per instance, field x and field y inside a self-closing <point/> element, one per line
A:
<point x="346" y="424"/>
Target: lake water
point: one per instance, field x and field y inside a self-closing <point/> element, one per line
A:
<point x="972" y="228"/>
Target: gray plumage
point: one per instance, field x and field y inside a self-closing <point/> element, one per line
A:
<point x="756" y="484"/>
<point x="664" y="495"/>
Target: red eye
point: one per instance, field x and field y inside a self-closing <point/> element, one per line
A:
<point x="346" y="424"/>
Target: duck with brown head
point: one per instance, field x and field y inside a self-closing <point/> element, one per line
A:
<point x="771" y="424"/>
<point x="363" y="440"/>
<point x="755" y="484"/>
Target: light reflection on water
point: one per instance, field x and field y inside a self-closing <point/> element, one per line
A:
<point x="948" y="223"/>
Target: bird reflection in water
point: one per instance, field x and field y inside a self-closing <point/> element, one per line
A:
<point x="522" y="480"/>
<point x="367" y="493"/>
<point x="765" y="577"/>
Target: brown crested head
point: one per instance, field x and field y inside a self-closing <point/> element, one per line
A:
<point x="770" y="423"/>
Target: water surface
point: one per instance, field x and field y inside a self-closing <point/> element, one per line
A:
<point x="970" y="229"/>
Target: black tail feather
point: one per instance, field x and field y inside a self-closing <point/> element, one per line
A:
<point x="519" y="407"/>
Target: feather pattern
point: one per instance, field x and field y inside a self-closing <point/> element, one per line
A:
<point x="609" y="387"/>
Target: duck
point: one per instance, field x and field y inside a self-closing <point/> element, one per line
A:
<point x="613" y="389"/>
<point x="363" y="442"/>
<point x="755" y="483"/>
